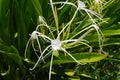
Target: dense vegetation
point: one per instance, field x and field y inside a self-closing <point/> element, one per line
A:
<point x="100" y="53"/>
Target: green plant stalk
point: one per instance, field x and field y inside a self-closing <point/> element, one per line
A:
<point x="55" y="16"/>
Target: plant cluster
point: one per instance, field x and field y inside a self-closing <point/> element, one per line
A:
<point x="69" y="40"/>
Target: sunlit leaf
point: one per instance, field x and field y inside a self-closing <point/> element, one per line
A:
<point x="111" y="32"/>
<point x="81" y="57"/>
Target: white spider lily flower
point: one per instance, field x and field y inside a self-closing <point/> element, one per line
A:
<point x="55" y="45"/>
<point x="81" y="6"/>
<point x="34" y="36"/>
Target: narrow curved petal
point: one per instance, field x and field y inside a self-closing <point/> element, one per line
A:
<point x="51" y="66"/>
<point x="39" y="45"/>
<point x="34" y="49"/>
<point x="40" y="25"/>
<point x="96" y="14"/>
<point x="87" y="46"/>
<point x="40" y="57"/>
<point x="44" y="36"/>
<point x="71" y="56"/>
<point x="27" y="47"/>
<point x="71" y="40"/>
<point x="67" y="24"/>
<point x="69" y="3"/>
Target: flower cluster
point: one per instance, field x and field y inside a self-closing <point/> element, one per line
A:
<point x="56" y="43"/>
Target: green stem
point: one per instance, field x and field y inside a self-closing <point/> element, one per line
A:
<point x="55" y="15"/>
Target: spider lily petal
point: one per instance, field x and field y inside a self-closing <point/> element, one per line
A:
<point x="99" y="36"/>
<point x="72" y="40"/>
<point x="35" y="49"/>
<point x="40" y="57"/>
<point x="51" y="66"/>
<point x="63" y="5"/>
<point x="95" y="14"/>
<point x="26" y="48"/>
<point x="71" y="56"/>
<point x="69" y="3"/>
<point x="44" y="36"/>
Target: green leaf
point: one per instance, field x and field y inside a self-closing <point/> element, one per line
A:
<point x="108" y="4"/>
<point x="37" y="6"/>
<point x="106" y="33"/>
<point x="84" y="57"/>
<point x="113" y="60"/>
<point x="5" y="73"/>
<point x="111" y="32"/>
<point x="9" y="57"/>
<point x="12" y="53"/>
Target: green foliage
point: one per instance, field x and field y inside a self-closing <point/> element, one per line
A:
<point x="10" y="62"/>
<point x="18" y="18"/>
<point x="81" y="57"/>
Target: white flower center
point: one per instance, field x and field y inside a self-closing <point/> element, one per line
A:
<point x="95" y="26"/>
<point x="34" y="34"/>
<point x="81" y="5"/>
<point x="56" y="44"/>
<point x="97" y="1"/>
